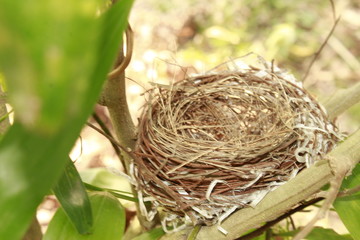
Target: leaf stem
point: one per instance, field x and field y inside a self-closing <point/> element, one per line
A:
<point x="194" y="232"/>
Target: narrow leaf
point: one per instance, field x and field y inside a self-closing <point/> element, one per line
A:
<point x="109" y="221"/>
<point x="99" y="179"/>
<point x="71" y="193"/>
<point x="4" y="114"/>
<point x="113" y="192"/>
<point x="319" y="233"/>
<point x="153" y="234"/>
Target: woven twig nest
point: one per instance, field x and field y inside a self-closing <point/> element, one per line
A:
<point x="213" y="143"/>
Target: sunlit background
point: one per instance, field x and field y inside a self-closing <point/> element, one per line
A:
<point x="177" y="38"/>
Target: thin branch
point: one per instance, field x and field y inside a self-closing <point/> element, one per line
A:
<point x="114" y="98"/>
<point x="317" y="54"/>
<point x="330" y="198"/>
<point x="342" y="100"/>
<point x="268" y="225"/>
<point x="349" y="192"/>
<point x="292" y="223"/>
<point x="34" y="231"/>
<point x="106" y="131"/>
<point x="109" y="137"/>
<point x="333" y="9"/>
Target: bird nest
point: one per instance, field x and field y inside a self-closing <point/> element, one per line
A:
<point x="214" y="143"/>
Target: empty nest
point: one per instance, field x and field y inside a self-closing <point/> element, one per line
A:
<point x="214" y="143"/>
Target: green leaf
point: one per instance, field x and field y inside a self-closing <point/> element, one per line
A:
<point x="319" y="233"/>
<point x="71" y="193"/>
<point x="55" y="57"/>
<point x="153" y="234"/>
<point x="109" y="222"/>
<point x="46" y="45"/>
<point x="115" y="193"/>
<point x="348" y="208"/>
<point x="99" y="179"/>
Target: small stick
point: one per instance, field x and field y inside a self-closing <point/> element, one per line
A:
<point x="266" y="226"/>
<point x="349" y="192"/>
<point x="335" y="185"/>
<point x="317" y="54"/>
<point x="105" y="130"/>
<point x="110" y="138"/>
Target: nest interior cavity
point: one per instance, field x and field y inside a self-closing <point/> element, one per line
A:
<point x="216" y="142"/>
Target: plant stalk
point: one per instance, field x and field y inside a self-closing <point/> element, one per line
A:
<point x="34" y="231"/>
<point x="114" y="98"/>
<point x="342" y="100"/>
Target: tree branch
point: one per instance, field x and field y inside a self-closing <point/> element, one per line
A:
<point x="269" y="224"/>
<point x="282" y="199"/>
<point x="342" y="100"/>
<point x="114" y="98"/>
<point x="34" y="231"/>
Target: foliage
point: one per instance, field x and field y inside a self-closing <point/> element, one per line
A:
<point x="348" y="207"/>
<point x="54" y="60"/>
<point x="71" y="193"/>
<point x="109" y="221"/>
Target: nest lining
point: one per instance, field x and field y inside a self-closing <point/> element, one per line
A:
<point x="213" y="143"/>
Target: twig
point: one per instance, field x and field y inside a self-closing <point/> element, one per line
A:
<point x="34" y="231"/>
<point x="317" y="54"/>
<point x="342" y="100"/>
<point x="81" y="149"/>
<point x="333" y="9"/>
<point x="292" y="223"/>
<point x="268" y="225"/>
<point x="106" y="130"/>
<point x="334" y="189"/>
<point x="345" y="54"/>
<point x="349" y="192"/>
<point x="109" y="137"/>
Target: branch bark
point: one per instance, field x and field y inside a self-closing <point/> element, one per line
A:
<point x="342" y="100"/>
<point x="114" y="98"/>
<point x="34" y="231"/>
